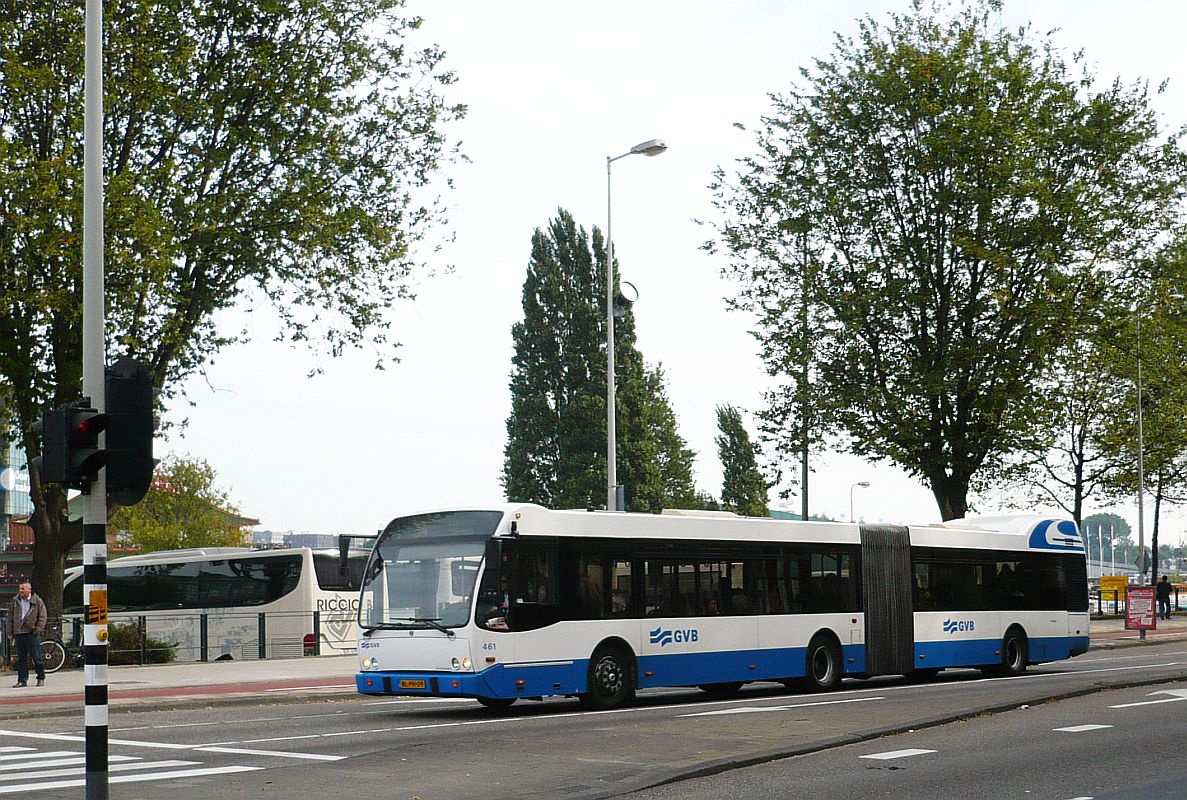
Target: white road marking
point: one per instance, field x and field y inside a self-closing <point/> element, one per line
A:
<point x="276" y="753"/>
<point x="151" y="776"/>
<point x="75" y="758"/>
<point x="761" y="709"/>
<point x="1177" y="695"/>
<point x="58" y="773"/>
<point x="898" y="754"/>
<point x="1082" y="728"/>
<point x="310" y="688"/>
<point x="14" y="749"/>
<point x="44" y="755"/>
<point x="212" y="747"/>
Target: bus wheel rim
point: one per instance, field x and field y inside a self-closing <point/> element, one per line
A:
<point x="822" y="665"/>
<point x="609" y="676"/>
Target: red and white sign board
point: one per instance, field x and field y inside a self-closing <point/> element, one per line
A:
<point x="1139" y="608"/>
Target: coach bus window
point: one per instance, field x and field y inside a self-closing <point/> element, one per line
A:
<point x="620" y="593"/>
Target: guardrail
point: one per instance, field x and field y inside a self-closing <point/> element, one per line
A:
<point x="210" y="636"/>
<point x="1113" y="602"/>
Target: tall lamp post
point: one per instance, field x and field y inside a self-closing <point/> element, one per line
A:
<point x="862" y="484"/>
<point x="615" y="502"/>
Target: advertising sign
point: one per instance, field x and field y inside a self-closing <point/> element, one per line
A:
<point x="1139" y="608"/>
<point x="1113" y="583"/>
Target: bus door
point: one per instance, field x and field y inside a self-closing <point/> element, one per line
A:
<point x="887" y="599"/>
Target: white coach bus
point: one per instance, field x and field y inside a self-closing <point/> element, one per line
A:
<point x="232" y="586"/>
<point x="520" y="601"/>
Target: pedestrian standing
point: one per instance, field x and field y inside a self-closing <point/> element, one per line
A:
<point x="1163" y="593"/>
<point x="25" y="624"/>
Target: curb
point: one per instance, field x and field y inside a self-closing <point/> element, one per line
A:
<point x="73" y="708"/>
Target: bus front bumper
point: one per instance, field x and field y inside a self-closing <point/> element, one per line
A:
<point x="425" y="684"/>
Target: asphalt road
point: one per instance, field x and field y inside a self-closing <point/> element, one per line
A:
<point x="1109" y="745"/>
<point x="400" y="748"/>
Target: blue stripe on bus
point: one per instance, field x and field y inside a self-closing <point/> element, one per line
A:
<point x="690" y="669"/>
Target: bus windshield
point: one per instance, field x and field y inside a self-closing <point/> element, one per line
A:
<point x="423" y="570"/>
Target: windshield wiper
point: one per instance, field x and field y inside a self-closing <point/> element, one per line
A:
<point x="432" y="622"/>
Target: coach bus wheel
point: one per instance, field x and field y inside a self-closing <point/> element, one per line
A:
<point x="611" y="679"/>
<point x="823" y="668"/>
<point x="728" y="689"/>
<point x="496" y="702"/>
<point x="1014" y="656"/>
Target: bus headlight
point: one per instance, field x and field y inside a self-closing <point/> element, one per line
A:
<point x="455" y="664"/>
<point x="466" y="662"/>
<point x="370" y="662"/>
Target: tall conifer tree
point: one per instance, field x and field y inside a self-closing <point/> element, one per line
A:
<point x="743" y="487"/>
<point x="556" y="433"/>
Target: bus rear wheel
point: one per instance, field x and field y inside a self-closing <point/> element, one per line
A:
<point x="611" y="681"/>
<point x="497" y="702"/>
<point x="1015" y="656"/>
<point x="823" y="667"/>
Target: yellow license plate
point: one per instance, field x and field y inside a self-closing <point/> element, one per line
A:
<point x="412" y="684"/>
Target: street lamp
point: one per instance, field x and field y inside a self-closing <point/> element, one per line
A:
<point x="652" y="147"/>
<point x="862" y="484"/>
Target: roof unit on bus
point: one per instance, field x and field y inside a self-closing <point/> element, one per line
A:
<point x="157" y="555"/>
<point x="698" y="512"/>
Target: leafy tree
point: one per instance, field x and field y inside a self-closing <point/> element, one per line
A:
<point x="183" y="508"/>
<point x="743" y="487"/>
<point x="959" y="187"/>
<point x="254" y="152"/>
<point x="556" y="432"/>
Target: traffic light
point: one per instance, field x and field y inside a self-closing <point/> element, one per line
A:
<point x="83" y="456"/>
<point x="129" y="457"/>
<point x="55" y="449"/>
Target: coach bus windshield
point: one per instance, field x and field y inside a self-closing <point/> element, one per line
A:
<point x="423" y="570"/>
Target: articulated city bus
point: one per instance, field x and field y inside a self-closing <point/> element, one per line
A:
<point x="519" y="601"/>
<point x="231" y="587"/>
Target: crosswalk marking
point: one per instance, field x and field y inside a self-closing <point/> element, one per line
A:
<point x="898" y="754"/>
<point x="30" y="770"/>
<point x="72" y="758"/>
<point x="153" y="776"/>
<point x="79" y="770"/>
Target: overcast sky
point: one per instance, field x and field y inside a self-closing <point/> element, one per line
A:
<point x="553" y="88"/>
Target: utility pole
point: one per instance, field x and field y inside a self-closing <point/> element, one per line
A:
<point x="94" y="515"/>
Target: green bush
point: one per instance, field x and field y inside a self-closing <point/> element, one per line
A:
<point x="124" y="646"/>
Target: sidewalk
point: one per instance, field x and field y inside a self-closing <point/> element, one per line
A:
<point x="308" y="679"/>
<point x="187" y="685"/>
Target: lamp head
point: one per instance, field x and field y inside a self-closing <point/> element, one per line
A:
<point x="864" y="484"/>
<point x="652" y="147"/>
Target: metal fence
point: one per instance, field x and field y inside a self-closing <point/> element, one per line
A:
<point x="1102" y="603"/>
<point x="160" y="638"/>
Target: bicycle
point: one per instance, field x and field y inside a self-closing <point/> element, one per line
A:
<point x="55" y="652"/>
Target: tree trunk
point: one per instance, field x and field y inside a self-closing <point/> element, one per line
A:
<point x="951" y="495"/>
<point x="53" y="538"/>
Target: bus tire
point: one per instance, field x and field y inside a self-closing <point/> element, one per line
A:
<point x="823" y="667"/>
<point x="1015" y="655"/>
<point x="611" y="681"/>
<point x="497" y="702"/>
<point x="728" y="689"/>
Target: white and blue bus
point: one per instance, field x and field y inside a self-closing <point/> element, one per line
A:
<point x="520" y="601"/>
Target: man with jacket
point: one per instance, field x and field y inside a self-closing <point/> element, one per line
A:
<point x="25" y="624"/>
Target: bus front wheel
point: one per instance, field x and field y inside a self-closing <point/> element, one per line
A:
<point x="823" y="668"/>
<point x="611" y="678"/>
<point x="1015" y="656"/>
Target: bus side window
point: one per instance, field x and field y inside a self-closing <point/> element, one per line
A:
<point x="923" y="597"/>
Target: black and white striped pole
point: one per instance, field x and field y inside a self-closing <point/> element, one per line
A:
<point x="94" y="519"/>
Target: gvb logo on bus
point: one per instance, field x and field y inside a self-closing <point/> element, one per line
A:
<point x="957" y="625"/>
<point x="665" y="636"/>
